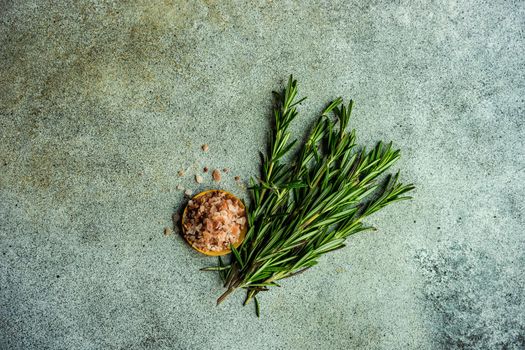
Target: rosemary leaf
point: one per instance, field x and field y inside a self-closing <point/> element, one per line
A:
<point x="309" y="198"/>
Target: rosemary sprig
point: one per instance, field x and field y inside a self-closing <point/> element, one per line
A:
<point x="306" y="207"/>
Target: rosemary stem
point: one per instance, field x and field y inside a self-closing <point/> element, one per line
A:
<point x="307" y="206"/>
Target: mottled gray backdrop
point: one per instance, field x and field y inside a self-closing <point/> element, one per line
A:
<point x="101" y="103"/>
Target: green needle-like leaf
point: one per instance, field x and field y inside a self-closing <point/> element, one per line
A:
<point x="308" y="198"/>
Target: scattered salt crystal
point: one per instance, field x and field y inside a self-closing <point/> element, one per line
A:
<point x="205" y="147"/>
<point x="180" y="187"/>
<point x="167" y="231"/>
<point x="198" y="179"/>
<point x="181" y="173"/>
<point x="188" y="192"/>
<point x="216" y="175"/>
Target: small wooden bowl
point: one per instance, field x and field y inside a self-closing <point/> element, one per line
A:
<point x="219" y="252"/>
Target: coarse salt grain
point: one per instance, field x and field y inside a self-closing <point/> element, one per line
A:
<point x="180" y="187"/>
<point x="214" y="220"/>
<point x="205" y="147"/>
<point x="188" y="192"/>
<point x="181" y="173"/>
<point x="216" y="175"/>
<point x="198" y="179"/>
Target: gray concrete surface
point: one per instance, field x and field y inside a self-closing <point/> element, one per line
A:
<point x="101" y="103"/>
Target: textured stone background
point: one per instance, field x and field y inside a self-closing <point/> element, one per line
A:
<point x="102" y="102"/>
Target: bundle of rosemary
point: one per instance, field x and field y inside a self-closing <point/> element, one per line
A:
<point x="307" y="203"/>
